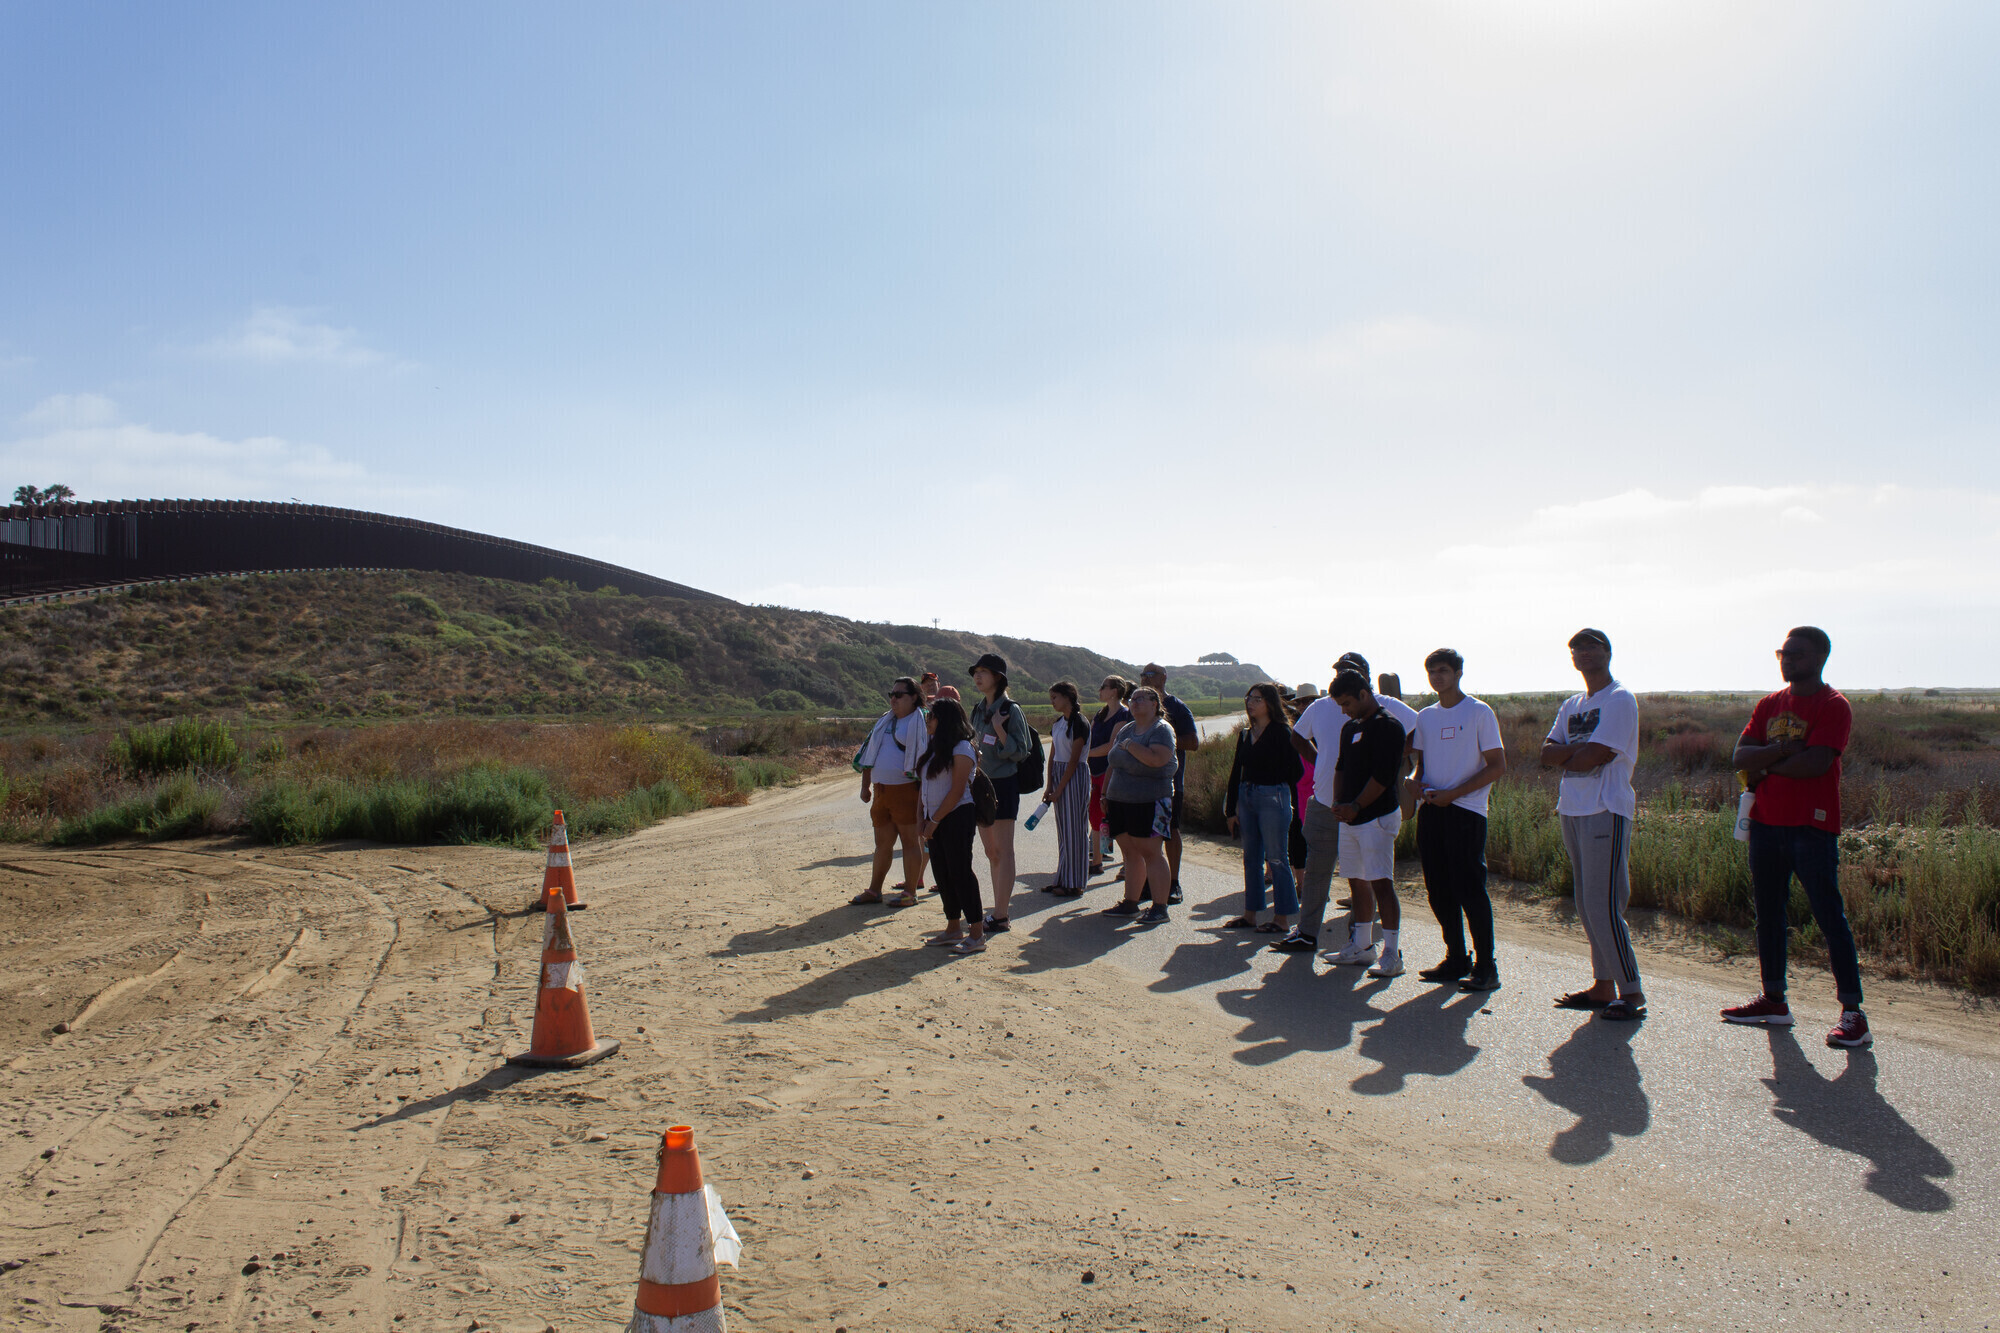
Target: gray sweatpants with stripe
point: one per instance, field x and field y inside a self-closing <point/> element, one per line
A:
<point x="1598" y="845"/>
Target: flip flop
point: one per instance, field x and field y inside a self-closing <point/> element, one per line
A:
<point x="1580" y="1000"/>
<point x="864" y="900"/>
<point x="1622" y="1010"/>
<point x="1272" y="928"/>
<point x="1239" y="923"/>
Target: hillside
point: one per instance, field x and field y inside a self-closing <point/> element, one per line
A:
<point x="385" y="644"/>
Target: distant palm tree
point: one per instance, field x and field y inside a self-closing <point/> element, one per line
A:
<point x="43" y="495"/>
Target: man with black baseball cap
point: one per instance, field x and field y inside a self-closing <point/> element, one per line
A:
<point x="1594" y="742"/>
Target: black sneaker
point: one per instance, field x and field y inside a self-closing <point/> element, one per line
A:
<point x="1153" y="915"/>
<point x="1174" y="893"/>
<point x="1297" y="943"/>
<point x="1484" y="977"/>
<point x="1121" y="909"/>
<point x="1451" y="969"/>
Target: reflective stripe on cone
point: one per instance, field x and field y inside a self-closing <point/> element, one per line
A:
<point x="687" y="1235"/>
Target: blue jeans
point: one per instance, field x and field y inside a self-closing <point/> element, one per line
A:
<point x="1777" y="852"/>
<point x="1266" y="815"/>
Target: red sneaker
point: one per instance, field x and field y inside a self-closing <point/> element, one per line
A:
<point x="1763" y="1009"/>
<point x="1850" y="1031"/>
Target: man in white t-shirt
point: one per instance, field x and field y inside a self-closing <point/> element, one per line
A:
<point x="1595" y="741"/>
<point x="1459" y="755"/>
<point x="888" y="763"/>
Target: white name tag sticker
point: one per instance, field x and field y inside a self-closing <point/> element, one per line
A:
<point x="1820" y="815"/>
<point x="989" y="739"/>
<point x="1445" y="734"/>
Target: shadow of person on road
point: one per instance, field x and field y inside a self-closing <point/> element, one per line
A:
<point x="864" y="976"/>
<point x="1297" y="1010"/>
<point x="831" y="924"/>
<point x="1424" y="1035"/>
<point x="847" y="862"/>
<point x="1198" y="962"/>
<point x="1848" y="1113"/>
<point x="492" y="1081"/>
<point x="1071" y="937"/>
<point x="1594" y="1077"/>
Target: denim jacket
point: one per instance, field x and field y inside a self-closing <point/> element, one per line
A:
<point x="1003" y="758"/>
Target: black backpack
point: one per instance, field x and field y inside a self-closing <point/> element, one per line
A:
<point x="1028" y="774"/>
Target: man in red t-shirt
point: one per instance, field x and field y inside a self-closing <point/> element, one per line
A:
<point x="1790" y="753"/>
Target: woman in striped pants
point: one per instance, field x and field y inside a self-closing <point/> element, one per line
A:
<point x="1068" y="789"/>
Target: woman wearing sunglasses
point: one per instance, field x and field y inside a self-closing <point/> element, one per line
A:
<point x="889" y="788"/>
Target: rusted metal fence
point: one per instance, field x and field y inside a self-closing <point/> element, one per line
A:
<point x="69" y="547"/>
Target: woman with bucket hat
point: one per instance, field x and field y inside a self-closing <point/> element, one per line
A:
<point x="1000" y="739"/>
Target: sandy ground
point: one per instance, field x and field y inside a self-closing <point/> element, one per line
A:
<point x="281" y="1101"/>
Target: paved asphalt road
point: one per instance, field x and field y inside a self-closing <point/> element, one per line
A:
<point x="1892" y="1152"/>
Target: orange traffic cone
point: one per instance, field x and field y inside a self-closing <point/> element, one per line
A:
<point x="562" y="1038"/>
<point x="687" y="1235"/>
<point x="560" y="872"/>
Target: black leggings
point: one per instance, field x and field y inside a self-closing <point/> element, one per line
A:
<point x="1451" y="842"/>
<point x="951" y="863"/>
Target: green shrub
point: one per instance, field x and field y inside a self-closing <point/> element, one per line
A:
<point x="168" y="747"/>
<point x="784" y="701"/>
<point x="486" y="803"/>
<point x="182" y="806"/>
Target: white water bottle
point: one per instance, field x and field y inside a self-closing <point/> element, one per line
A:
<point x="1743" y="804"/>
<point x="1036" y="817"/>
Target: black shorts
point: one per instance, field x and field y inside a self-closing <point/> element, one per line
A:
<point x="1180" y="799"/>
<point x="1008" y="792"/>
<point x="1140" y="819"/>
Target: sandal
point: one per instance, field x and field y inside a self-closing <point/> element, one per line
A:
<point x="969" y="945"/>
<point x="1623" y="1010"/>
<point x="943" y="941"/>
<point x="864" y="899"/>
<point x="908" y="898"/>
<point x="1580" y="1000"/>
<point x="1272" y="928"/>
<point x="1239" y="923"/>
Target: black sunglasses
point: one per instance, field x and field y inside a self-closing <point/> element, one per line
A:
<point x="901" y="694"/>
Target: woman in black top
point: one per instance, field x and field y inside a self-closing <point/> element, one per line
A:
<point x="1258" y="802"/>
<point x="1114" y="714"/>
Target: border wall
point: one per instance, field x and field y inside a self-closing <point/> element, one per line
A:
<point x="73" y="547"/>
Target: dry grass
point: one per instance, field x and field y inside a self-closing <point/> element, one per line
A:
<point x="419" y="781"/>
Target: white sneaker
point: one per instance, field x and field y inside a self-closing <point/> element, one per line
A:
<point x="1390" y="966"/>
<point x="1354" y="955"/>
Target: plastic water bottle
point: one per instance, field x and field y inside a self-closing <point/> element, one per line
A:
<point x="1036" y="817"/>
<point x="1743" y="804"/>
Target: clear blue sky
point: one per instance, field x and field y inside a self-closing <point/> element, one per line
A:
<point x="1277" y="330"/>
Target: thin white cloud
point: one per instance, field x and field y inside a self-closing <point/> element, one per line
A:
<point x="282" y="335"/>
<point x="1747" y="497"/>
<point x="1634" y="506"/>
<point x="83" y="441"/>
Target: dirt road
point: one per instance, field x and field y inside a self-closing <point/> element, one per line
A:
<point x="281" y="1102"/>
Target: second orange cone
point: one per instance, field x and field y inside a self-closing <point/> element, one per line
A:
<point x="563" y="1037"/>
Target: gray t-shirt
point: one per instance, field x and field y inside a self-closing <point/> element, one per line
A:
<point x="1132" y="780"/>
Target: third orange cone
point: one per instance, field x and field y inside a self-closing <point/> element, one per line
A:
<point x="561" y="872"/>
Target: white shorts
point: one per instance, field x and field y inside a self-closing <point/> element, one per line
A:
<point x="1368" y="851"/>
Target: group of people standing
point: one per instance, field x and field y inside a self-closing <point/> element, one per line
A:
<point x="1319" y="787"/>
